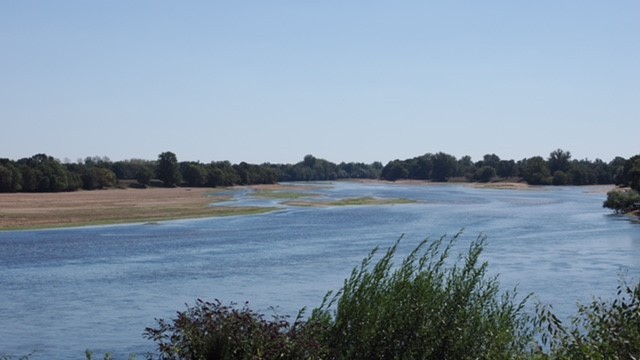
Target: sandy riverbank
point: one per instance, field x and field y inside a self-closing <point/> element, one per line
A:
<point x="79" y="208"/>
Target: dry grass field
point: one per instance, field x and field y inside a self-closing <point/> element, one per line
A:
<point x="49" y="210"/>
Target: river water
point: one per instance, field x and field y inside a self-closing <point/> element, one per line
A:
<point x="63" y="291"/>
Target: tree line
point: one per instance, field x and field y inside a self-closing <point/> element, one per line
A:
<point x="557" y="169"/>
<point x="43" y="173"/>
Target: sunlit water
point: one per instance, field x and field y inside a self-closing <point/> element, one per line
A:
<point x="62" y="291"/>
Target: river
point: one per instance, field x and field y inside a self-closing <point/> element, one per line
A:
<point x="63" y="291"/>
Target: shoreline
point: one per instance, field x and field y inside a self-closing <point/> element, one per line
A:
<point x="37" y="211"/>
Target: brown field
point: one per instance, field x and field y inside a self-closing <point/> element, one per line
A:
<point x="49" y="210"/>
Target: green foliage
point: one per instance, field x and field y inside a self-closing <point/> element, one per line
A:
<point x="44" y="174"/>
<point x="10" y="177"/>
<point x="194" y="174"/>
<point x="444" y="167"/>
<point x="536" y="171"/>
<point x="560" y="178"/>
<point x="603" y="329"/>
<point x="631" y="173"/>
<point x="507" y="169"/>
<point x="394" y="170"/>
<point x="424" y="309"/>
<point x="622" y="201"/>
<point x="484" y="174"/>
<point x="491" y="160"/>
<point x="559" y="161"/>
<point x="143" y="175"/>
<point x="168" y="170"/>
<point x="98" y="178"/>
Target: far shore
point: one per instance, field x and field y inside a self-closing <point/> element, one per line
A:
<point x="20" y="211"/>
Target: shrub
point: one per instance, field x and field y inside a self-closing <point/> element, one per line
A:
<point x="215" y="331"/>
<point x="622" y="201"/>
<point x="424" y="309"/>
<point x="600" y="330"/>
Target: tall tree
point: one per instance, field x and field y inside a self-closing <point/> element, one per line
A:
<point x="444" y="166"/>
<point x="168" y="170"/>
<point x="559" y="161"/>
<point x="536" y="171"/>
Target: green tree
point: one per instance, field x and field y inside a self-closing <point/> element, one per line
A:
<point x="194" y="174"/>
<point x="559" y="161"/>
<point x="394" y="170"/>
<point x="46" y="174"/>
<point x="444" y="166"/>
<point x="560" y="178"/>
<point x="616" y="167"/>
<point x="536" y="171"/>
<point x="466" y="167"/>
<point x="143" y="175"/>
<point x="10" y="177"/>
<point x="491" y="160"/>
<point x="581" y="173"/>
<point x="632" y="172"/>
<point x="309" y="161"/>
<point x="507" y="169"/>
<point x="168" y="170"/>
<point x="484" y="174"/>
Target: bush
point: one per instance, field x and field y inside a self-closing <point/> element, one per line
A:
<point x="424" y="309"/>
<point x="215" y="331"/>
<point x="622" y="201"/>
<point x="600" y="330"/>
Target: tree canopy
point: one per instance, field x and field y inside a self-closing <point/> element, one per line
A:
<point x="43" y="173"/>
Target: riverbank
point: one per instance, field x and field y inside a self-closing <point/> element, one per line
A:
<point x="20" y="211"/>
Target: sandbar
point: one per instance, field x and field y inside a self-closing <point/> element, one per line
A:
<point x="113" y="206"/>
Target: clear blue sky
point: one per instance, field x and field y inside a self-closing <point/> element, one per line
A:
<point x="271" y="81"/>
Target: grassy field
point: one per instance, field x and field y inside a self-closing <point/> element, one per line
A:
<point x="113" y="206"/>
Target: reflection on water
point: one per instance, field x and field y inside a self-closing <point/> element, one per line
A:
<point x="62" y="291"/>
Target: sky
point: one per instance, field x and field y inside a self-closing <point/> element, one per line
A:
<point x="364" y="81"/>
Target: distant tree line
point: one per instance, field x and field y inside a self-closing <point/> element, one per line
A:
<point x="43" y="173"/>
<point x="557" y="169"/>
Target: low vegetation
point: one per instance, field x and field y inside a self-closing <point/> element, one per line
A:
<point x="278" y="195"/>
<point x="430" y="306"/>
<point x="351" y="202"/>
<point x="626" y="199"/>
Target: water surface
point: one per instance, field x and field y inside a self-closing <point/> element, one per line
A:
<point x="65" y="290"/>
